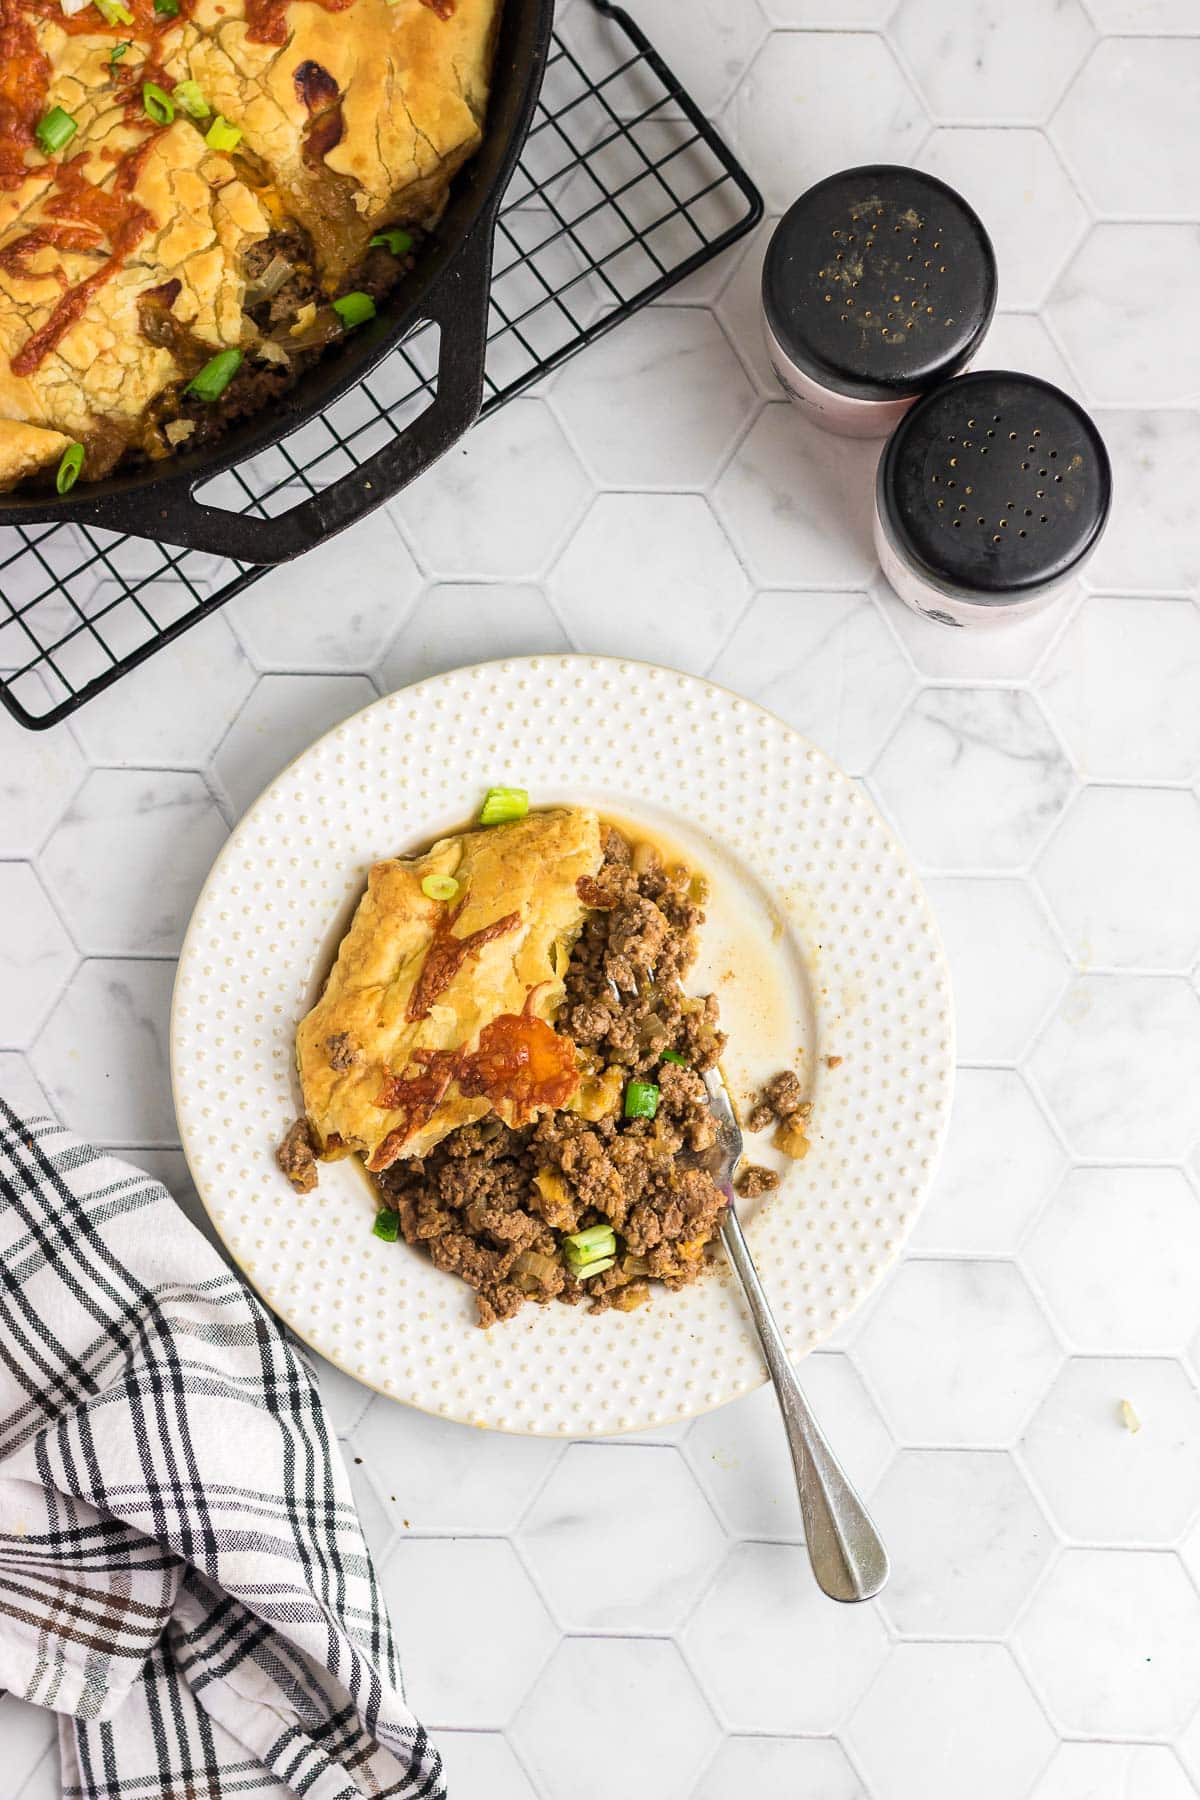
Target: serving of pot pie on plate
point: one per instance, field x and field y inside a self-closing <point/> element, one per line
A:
<point x="197" y="196"/>
<point x="817" y="941"/>
<point x="505" y="1041"/>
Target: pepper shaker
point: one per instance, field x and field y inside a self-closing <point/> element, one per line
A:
<point x="990" y="496"/>
<point x="878" y="284"/>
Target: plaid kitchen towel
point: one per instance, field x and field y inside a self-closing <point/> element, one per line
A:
<point x="183" y="1577"/>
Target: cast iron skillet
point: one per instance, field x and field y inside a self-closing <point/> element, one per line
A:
<point x="450" y="285"/>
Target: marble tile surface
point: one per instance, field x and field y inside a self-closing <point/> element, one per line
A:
<point x="1040" y="1639"/>
<point x="992" y="64"/>
<point x="1116" y="1254"/>
<point x="1029" y="203"/>
<point x="1130" y="347"/>
<point x="923" y="1726"/>
<point x="674" y="369"/>
<point x="638" y="563"/>
<point x="1111" y="1641"/>
<point x="1132" y="92"/>
<point x="814" y="102"/>
<point x="968" y="1539"/>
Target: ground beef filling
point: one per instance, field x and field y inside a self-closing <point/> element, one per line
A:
<point x="753" y="1179"/>
<point x="293" y="321"/>
<point x="783" y="1105"/>
<point x="492" y="1204"/>
<point x="297" y="1158"/>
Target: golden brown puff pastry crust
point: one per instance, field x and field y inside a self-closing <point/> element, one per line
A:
<point x="361" y="1038"/>
<point x="397" y="108"/>
<point x="412" y="92"/>
<point x="104" y="368"/>
<point x="24" y="449"/>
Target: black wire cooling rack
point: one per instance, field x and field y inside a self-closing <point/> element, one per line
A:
<point x="622" y="190"/>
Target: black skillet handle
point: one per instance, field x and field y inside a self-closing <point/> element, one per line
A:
<point x="459" y="306"/>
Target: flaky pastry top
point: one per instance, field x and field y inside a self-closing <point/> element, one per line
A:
<point x="436" y="1011"/>
<point x="353" y="114"/>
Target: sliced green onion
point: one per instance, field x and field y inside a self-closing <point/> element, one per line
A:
<point x="68" y="468"/>
<point x="118" y="51"/>
<point x="641" y="1100"/>
<point x="673" y="1056"/>
<point x="55" y="131"/>
<point x="500" y="804"/>
<point x="583" y="1265"/>
<point x="221" y="135"/>
<point x="583" y="1259"/>
<point x="157" y="103"/>
<point x="215" y="376"/>
<point x="387" y="1225"/>
<point x="578" y="1260"/>
<point x="113" y="13"/>
<point x="595" y="1235"/>
<point x="188" y="97"/>
<point x="595" y="1268"/>
<point x="393" y="239"/>
<point x="354" y="309"/>
<point x="166" y="9"/>
<point x="439" y="887"/>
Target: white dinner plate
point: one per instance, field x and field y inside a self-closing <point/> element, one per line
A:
<point x="819" y="940"/>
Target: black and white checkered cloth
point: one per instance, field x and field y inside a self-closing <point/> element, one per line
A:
<point x="183" y="1577"/>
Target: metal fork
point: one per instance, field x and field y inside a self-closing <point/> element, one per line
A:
<point x="846" y="1552"/>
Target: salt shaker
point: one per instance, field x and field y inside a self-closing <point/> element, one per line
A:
<point x="878" y="284"/>
<point x="990" y="495"/>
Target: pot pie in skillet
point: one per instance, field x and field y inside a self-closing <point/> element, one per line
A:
<point x="196" y="196"/>
<point x="505" y="1042"/>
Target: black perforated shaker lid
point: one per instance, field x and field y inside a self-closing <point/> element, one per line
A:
<point x="994" y="485"/>
<point x="879" y="282"/>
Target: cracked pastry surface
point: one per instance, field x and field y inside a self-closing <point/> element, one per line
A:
<point x="352" y="114"/>
<point x="422" y="987"/>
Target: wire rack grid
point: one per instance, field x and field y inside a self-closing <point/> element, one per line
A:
<point x="622" y="190"/>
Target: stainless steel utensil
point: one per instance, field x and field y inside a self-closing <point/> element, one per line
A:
<point x="846" y="1552"/>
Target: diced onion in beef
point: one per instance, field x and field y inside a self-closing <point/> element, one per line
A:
<point x="268" y="284"/>
<point x="791" y="1138"/>
<point x="178" y="430"/>
<point x="314" y="333"/>
<point x="532" y="1262"/>
<point x="269" y="351"/>
<point x="532" y="1270"/>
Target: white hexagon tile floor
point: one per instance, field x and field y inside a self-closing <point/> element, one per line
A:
<point x="635" y="1620"/>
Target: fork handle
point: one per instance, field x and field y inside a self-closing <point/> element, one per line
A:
<point x="846" y="1552"/>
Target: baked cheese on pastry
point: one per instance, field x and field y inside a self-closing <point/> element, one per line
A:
<point x="207" y="179"/>
<point x="438" y="1012"/>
